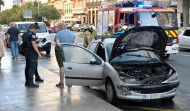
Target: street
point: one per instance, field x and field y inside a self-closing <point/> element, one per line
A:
<point x="79" y="98"/>
<point x="181" y="102"/>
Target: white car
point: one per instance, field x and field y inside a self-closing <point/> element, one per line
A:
<point x="128" y="66"/>
<point x="184" y="38"/>
<point x="45" y="43"/>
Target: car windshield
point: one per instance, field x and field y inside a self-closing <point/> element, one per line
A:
<point x="163" y="19"/>
<point x="24" y="27"/>
<point x="136" y="56"/>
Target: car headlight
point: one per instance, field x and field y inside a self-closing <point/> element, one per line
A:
<point x="129" y="80"/>
<point x="173" y="78"/>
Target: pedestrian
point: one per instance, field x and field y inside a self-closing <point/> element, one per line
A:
<point x="31" y="54"/>
<point x="38" y="78"/>
<point x="109" y="32"/>
<point x="14" y="35"/>
<point x="89" y="35"/>
<point x="118" y="29"/>
<point x="2" y="43"/>
<point x="63" y="36"/>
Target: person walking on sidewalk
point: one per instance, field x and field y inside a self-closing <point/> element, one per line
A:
<point x="2" y="43"/>
<point x="31" y="54"/>
<point x="14" y="35"/>
<point x="63" y="36"/>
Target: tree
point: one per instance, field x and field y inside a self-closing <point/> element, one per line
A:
<point x="16" y="13"/>
<point x="1" y="3"/>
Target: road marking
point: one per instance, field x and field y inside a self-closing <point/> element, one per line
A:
<point x="146" y="108"/>
<point x="183" y="55"/>
<point x="79" y="43"/>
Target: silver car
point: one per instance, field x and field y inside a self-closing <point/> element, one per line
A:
<point x="184" y="38"/>
<point x="128" y="66"/>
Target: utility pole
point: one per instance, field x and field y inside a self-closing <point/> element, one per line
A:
<point x="38" y="8"/>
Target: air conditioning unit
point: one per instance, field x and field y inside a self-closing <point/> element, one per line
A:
<point x="174" y="2"/>
<point x="149" y="2"/>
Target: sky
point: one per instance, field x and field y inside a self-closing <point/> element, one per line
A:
<point x="8" y="4"/>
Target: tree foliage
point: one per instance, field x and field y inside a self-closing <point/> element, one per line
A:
<point x="16" y="13"/>
<point x="1" y="2"/>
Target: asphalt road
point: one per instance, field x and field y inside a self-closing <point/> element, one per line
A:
<point x="180" y="62"/>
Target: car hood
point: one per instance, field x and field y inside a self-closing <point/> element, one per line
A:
<point x="140" y="38"/>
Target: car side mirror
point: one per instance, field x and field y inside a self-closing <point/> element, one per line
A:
<point x="49" y="31"/>
<point x="93" y="61"/>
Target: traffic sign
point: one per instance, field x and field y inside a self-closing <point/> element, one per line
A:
<point x="27" y="14"/>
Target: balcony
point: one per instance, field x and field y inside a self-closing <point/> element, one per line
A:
<point x="93" y="4"/>
<point x="80" y="10"/>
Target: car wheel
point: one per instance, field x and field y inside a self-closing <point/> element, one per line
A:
<point x="166" y="56"/>
<point x="48" y="52"/>
<point x="110" y="93"/>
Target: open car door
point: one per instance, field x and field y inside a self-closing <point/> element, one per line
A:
<point x="81" y="66"/>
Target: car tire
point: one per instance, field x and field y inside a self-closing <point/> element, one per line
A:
<point x="110" y="93"/>
<point x="48" y="52"/>
<point x="166" y="56"/>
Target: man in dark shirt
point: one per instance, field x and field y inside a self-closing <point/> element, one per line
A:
<point x="14" y="35"/>
<point x="31" y="53"/>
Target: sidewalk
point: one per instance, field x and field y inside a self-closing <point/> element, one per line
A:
<point x="14" y="96"/>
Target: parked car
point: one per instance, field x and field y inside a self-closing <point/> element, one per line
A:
<point x="45" y="43"/>
<point x="184" y="38"/>
<point x="69" y="27"/>
<point x="128" y="66"/>
<point x="76" y="27"/>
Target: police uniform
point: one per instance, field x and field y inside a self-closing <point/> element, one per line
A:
<point x="31" y="57"/>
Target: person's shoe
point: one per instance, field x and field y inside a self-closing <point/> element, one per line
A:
<point x="60" y="85"/>
<point x="39" y="80"/>
<point x="33" y="85"/>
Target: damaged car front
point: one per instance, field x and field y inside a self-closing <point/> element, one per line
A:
<point x="136" y="57"/>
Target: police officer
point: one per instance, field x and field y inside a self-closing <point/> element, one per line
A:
<point x="118" y="29"/>
<point x="109" y="32"/>
<point x="31" y="53"/>
<point x="89" y="35"/>
<point x="38" y="78"/>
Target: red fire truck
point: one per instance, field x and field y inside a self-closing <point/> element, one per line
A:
<point x="141" y="15"/>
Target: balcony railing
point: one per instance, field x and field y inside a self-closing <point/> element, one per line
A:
<point x="95" y="4"/>
<point x="79" y="10"/>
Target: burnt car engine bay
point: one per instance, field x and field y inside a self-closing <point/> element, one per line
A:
<point x="146" y="74"/>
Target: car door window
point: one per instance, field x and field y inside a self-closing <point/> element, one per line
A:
<point x="77" y="55"/>
<point x="92" y="46"/>
<point x="101" y="51"/>
<point x="187" y="33"/>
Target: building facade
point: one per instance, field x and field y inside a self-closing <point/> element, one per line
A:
<point x="80" y="11"/>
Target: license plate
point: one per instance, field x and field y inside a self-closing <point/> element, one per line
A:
<point x="152" y="96"/>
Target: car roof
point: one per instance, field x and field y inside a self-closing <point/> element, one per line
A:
<point x="107" y="40"/>
<point x="184" y="28"/>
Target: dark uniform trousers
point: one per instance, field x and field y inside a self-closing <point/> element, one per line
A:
<point x="31" y="66"/>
